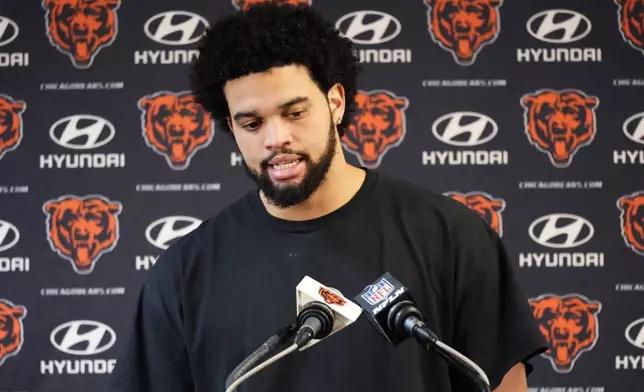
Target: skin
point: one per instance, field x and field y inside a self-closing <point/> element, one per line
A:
<point x="515" y="380"/>
<point x="284" y="108"/>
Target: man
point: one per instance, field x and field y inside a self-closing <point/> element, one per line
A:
<point x="283" y="83"/>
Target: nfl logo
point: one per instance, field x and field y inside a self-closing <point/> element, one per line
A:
<point x="378" y="292"/>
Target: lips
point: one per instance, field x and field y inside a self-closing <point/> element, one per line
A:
<point x="285" y="167"/>
<point x="283" y="158"/>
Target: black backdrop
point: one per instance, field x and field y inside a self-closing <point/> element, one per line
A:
<point x="535" y="119"/>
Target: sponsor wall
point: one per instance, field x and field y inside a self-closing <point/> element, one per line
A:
<point x="531" y="113"/>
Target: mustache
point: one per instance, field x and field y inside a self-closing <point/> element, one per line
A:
<point x="303" y="156"/>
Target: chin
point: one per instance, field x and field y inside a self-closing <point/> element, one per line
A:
<point x="285" y="183"/>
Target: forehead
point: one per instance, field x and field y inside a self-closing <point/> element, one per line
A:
<point x="267" y="90"/>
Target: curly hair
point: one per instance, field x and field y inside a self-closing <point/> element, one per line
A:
<point x="268" y="35"/>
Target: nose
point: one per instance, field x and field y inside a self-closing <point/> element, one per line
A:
<point x="558" y="124"/>
<point x="461" y="24"/>
<point x="175" y="126"/>
<point x="79" y="24"/>
<point x="277" y="135"/>
<point x="80" y="232"/>
<point x="560" y="333"/>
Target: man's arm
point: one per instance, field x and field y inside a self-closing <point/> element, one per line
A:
<point x="515" y="380"/>
<point x="153" y="356"/>
<point x="493" y="321"/>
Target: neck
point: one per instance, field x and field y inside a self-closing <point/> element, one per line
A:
<point x="342" y="182"/>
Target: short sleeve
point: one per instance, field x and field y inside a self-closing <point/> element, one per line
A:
<point x="493" y="322"/>
<point x="153" y="357"/>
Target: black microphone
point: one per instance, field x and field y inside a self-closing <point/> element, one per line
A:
<point x="393" y="312"/>
<point x="321" y="312"/>
<point x="314" y="321"/>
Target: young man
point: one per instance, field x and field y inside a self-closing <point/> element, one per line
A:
<point x="283" y="83"/>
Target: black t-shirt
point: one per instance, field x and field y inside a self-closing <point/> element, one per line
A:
<point x="219" y="292"/>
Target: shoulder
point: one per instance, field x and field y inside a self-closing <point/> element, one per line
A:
<point x="185" y="252"/>
<point x="429" y="207"/>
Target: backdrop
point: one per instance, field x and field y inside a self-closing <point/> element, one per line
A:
<point x="529" y="112"/>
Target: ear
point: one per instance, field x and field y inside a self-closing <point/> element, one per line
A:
<point x="50" y="3"/>
<point x="401" y="103"/>
<point x="18" y="107"/>
<point x="51" y="207"/>
<point x="535" y="308"/>
<point x="145" y="103"/>
<point x="591" y="102"/>
<point x="528" y="101"/>
<point x="18" y="312"/>
<point x="230" y="123"/>
<point x="114" y="208"/>
<point x="497" y="205"/>
<point x="593" y="307"/>
<point x="625" y="202"/>
<point x="112" y="4"/>
<point x="336" y="98"/>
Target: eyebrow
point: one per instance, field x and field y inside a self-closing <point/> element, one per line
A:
<point x="284" y="105"/>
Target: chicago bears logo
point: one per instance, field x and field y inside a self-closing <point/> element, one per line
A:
<point x="560" y="123"/>
<point x="378" y="125"/>
<point x="630" y="17"/>
<point x="632" y="220"/>
<point x="570" y="325"/>
<point x="488" y="207"/>
<point x="244" y="5"/>
<point x="81" y="28"/>
<point x="464" y="27"/>
<point x="10" y="123"/>
<point x="175" y="126"/>
<point x="12" y="331"/>
<point x="82" y="229"/>
<point x="330" y="297"/>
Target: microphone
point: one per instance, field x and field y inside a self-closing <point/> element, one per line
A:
<point x="321" y="312"/>
<point x="393" y="312"/>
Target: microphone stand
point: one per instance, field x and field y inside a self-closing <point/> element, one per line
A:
<point x="406" y="315"/>
<point x="428" y="339"/>
<point x="261" y="353"/>
<point x="315" y="321"/>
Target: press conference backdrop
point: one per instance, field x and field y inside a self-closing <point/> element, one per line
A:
<point x="529" y="112"/>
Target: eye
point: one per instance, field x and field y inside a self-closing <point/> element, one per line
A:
<point x="251" y="125"/>
<point x="297" y="113"/>
<point x="475" y="10"/>
<point x="548" y="316"/>
<point x="93" y="217"/>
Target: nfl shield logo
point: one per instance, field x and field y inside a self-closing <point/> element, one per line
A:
<point x="378" y="292"/>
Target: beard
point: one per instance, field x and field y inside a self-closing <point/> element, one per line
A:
<point x="289" y="195"/>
